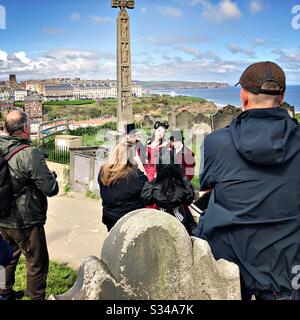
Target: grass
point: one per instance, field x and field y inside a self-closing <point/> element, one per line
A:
<point x="60" y="278"/>
<point x="92" y="195"/>
<point x="69" y="102"/>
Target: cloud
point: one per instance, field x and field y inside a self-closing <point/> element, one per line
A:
<point x="53" y="30"/>
<point x="256" y="6"/>
<point x="192" y="51"/>
<point x="75" y="16"/>
<point x="101" y="20"/>
<point x="59" y="63"/>
<point x="22" y="57"/>
<point x="144" y="10"/>
<point x="172" y="39"/>
<point x="224" y="10"/>
<point x="236" y="49"/>
<point x="260" y="42"/>
<point x="3" y="55"/>
<point x="169" y="11"/>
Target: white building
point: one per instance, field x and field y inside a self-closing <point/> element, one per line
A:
<point x="137" y="91"/>
<point x="94" y="91"/>
<point x="20" y="94"/>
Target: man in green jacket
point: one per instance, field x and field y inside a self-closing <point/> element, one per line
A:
<point x="23" y="226"/>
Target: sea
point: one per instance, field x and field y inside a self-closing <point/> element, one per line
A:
<point x="231" y="95"/>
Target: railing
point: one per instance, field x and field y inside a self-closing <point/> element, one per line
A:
<point x="57" y="154"/>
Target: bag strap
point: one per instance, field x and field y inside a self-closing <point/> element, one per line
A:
<point x="16" y="150"/>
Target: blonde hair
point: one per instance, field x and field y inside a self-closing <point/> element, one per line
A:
<point x="119" y="164"/>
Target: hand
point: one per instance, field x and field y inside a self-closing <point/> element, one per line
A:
<point x="54" y="174"/>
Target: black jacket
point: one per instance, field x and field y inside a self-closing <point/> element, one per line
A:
<point x="124" y="196"/>
<point x="32" y="181"/>
<point x="181" y="195"/>
<point x="253" y="217"/>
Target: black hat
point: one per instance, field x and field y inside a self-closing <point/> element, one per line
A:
<point x="130" y="128"/>
<point x="177" y="135"/>
<point x="259" y="73"/>
<point x="161" y="124"/>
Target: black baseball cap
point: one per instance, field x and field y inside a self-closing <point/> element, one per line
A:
<point x="259" y="73"/>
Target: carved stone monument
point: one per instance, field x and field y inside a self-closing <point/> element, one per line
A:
<point x="124" y="113"/>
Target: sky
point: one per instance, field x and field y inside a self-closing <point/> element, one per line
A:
<point x="186" y="40"/>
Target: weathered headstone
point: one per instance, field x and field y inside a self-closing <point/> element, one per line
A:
<point x="224" y="116"/>
<point x="124" y="88"/>
<point x="149" y="255"/>
<point x="290" y="109"/>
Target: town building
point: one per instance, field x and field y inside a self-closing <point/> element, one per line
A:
<point x="59" y="92"/>
<point x="6" y="105"/>
<point x="20" y="94"/>
<point x="137" y="90"/>
<point x="34" y="107"/>
<point x="12" y="80"/>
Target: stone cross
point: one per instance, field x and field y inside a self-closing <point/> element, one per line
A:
<point x="124" y="87"/>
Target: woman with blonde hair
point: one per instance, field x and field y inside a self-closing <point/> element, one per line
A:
<point x="121" y="181"/>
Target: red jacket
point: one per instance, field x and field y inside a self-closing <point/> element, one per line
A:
<point x="186" y="158"/>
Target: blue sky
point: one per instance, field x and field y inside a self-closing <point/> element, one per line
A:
<point x="198" y="40"/>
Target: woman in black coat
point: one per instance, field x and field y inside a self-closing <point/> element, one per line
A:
<point x="171" y="191"/>
<point x="121" y="181"/>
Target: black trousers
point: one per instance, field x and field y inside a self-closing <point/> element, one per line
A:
<point x="32" y="243"/>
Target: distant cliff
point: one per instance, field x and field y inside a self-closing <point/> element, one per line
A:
<point x="173" y="85"/>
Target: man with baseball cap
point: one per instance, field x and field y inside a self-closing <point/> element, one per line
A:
<point x="252" y="169"/>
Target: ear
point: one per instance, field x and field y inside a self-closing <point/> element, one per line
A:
<point x="281" y="99"/>
<point x="244" y="97"/>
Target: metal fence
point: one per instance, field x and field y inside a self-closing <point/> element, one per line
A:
<point x="57" y="154"/>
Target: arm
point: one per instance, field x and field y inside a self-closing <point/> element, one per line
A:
<point x="207" y="176"/>
<point x="147" y="194"/>
<point x="40" y="174"/>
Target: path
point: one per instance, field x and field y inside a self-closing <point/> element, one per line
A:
<point x="74" y="229"/>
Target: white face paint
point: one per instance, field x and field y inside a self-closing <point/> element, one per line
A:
<point x="160" y="133"/>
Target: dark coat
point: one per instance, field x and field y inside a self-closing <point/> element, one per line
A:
<point x="124" y="196"/>
<point x="253" y="217"/>
<point x="181" y="195"/>
<point x="32" y="181"/>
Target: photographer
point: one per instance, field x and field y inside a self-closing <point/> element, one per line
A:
<point x="22" y="221"/>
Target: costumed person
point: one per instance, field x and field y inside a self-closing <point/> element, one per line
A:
<point x="183" y="155"/>
<point x="154" y="148"/>
<point x="171" y="191"/>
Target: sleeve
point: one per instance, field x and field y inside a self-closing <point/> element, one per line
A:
<point x="189" y="164"/>
<point x="138" y="183"/>
<point x="40" y="174"/>
<point x="207" y="175"/>
<point x="190" y="194"/>
<point x="147" y="194"/>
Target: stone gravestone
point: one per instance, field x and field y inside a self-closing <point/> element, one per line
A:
<point x="290" y="109"/>
<point x="149" y="255"/>
<point x="184" y="120"/>
<point x="224" y="116"/>
<point x="147" y="122"/>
